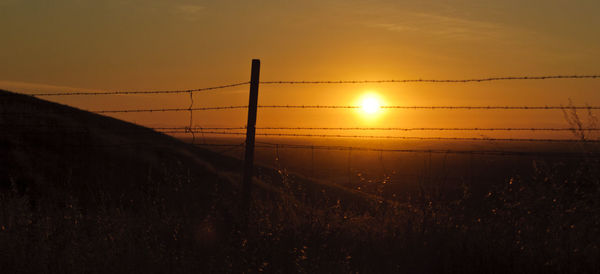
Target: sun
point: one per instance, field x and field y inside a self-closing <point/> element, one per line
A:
<point x="370" y="104"/>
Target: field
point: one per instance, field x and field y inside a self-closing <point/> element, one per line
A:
<point x="85" y="193"/>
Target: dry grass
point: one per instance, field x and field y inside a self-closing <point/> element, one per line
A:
<point x="548" y="223"/>
<point x="156" y="210"/>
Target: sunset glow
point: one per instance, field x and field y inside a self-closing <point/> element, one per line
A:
<point x="274" y="136"/>
<point x="187" y="48"/>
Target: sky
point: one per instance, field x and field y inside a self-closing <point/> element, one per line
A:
<point x="65" y="45"/>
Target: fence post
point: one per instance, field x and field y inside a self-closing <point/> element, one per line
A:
<point x="250" y="137"/>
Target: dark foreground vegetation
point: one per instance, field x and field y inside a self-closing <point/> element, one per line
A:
<point x="89" y="199"/>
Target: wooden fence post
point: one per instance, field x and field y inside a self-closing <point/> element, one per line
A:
<point x="250" y="137"/>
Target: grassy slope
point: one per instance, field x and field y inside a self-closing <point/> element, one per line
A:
<point x="72" y="181"/>
<point x="84" y="193"/>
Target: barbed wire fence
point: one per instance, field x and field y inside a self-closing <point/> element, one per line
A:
<point x="193" y="130"/>
<point x="303" y="132"/>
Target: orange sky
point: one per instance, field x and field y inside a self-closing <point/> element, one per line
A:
<point x="138" y="45"/>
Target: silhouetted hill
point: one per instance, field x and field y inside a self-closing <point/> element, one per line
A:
<point x="52" y="149"/>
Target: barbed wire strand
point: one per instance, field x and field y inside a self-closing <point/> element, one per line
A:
<point x="435" y="151"/>
<point x="186" y="131"/>
<point x="169" y="109"/>
<point x="261" y="144"/>
<point x="402" y="137"/>
<point x="434" y="107"/>
<point x="228" y="147"/>
<point x="488" y="79"/>
<point x="140" y="92"/>
<point x="490" y="139"/>
<point x="394" y="128"/>
<point x="322" y="107"/>
<point x="359" y="107"/>
<point x="218" y="145"/>
<point x="331" y="128"/>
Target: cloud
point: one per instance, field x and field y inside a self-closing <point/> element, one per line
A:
<point x="190" y="12"/>
<point x="27" y="87"/>
<point x="441" y="26"/>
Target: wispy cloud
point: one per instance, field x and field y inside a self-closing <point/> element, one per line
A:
<point x="27" y="87"/>
<point x="190" y="12"/>
<point x="442" y="26"/>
